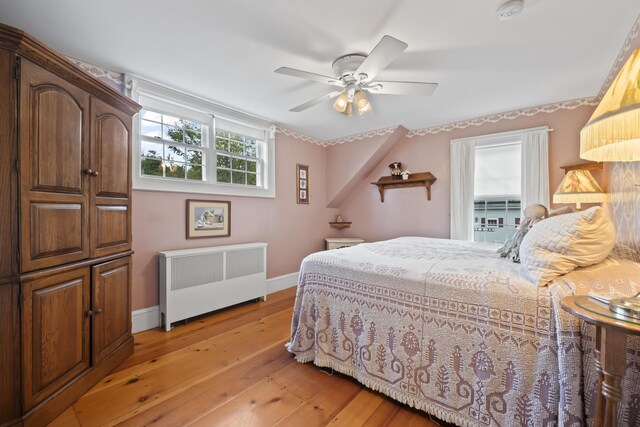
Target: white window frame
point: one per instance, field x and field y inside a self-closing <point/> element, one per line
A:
<point x="157" y="98"/>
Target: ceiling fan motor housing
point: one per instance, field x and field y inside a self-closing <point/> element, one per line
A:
<point x="347" y="65"/>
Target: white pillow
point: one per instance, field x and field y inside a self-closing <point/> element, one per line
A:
<point x="559" y="244"/>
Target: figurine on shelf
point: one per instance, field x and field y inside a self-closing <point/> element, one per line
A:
<point x="339" y="218"/>
<point x="396" y="172"/>
<point x="406" y="174"/>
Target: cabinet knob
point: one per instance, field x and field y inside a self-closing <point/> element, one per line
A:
<point x="91" y="172"/>
<point x="98" y="311"/>
<point x="89" y="313"/>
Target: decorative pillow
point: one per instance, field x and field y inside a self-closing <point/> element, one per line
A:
<point x="532" y="215"/>
<point x="558" y="245"/>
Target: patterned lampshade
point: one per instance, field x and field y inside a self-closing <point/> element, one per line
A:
<point x="613" y="131"/>
<point x="579" y="186"/>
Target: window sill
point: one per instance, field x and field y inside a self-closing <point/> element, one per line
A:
<point x="195" y="187"/>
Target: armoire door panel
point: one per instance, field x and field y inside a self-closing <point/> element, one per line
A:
<point x="112" y="156"/>
<point x="55" y="332"/>
<point x="112" y="226"/>
<point x="57" y="140"/>
<point x="54" y="121"/>
<point x="56" y="229"/>
<point x="110" y="151"/>
<point x="111" y="305"/>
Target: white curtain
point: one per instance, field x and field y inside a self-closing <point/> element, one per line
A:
<point x="535" y="167"/>
<point x="462" y="170"/>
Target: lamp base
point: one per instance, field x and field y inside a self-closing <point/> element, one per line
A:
<point x="628" y="307"/>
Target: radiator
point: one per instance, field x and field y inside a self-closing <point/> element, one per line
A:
<point x="197" y="281"/>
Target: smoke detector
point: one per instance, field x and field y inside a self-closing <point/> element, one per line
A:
<point x="509" y="9"/>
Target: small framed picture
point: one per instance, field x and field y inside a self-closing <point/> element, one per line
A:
<point x="208" y="218"/>
<point x="302" y="186"/>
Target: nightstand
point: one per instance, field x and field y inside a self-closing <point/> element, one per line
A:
<point x="341" y="242"/>
<point x="611" y="343"/>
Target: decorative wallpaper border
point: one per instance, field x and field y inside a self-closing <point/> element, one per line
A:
<point x="622" y="57"/>
<point x="548" y="108"/>
<point x="300" y="136"/>
<point x="510" y="115"/>
<point x="112" y="78"/>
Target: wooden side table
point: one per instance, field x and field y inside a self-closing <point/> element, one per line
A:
<point x="611" y="355"/>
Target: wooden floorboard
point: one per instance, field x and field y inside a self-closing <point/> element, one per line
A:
<point x="230" y="368"/>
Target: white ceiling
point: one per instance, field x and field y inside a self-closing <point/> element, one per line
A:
<point x="226" y="51"/>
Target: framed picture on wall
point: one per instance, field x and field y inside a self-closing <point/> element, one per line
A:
<point x="302" y="187"/>
<point x="208" y="218"/>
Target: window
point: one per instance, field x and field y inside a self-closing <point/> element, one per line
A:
<point x="186" y="144"/>
<point x="237" y="159"/>
<point x="497" y="190"/>
<point x="491" y="176"/>
<point x="171" y="147"/>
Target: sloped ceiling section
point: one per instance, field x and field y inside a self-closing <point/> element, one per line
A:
<point x="347" y="165"/>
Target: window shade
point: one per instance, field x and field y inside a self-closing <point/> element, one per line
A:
<point x="497" y="170"/>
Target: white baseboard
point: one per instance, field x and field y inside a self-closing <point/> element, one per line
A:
<point x="146" y="318"/>
<point x="279" y="283"/>
<point x="149" y="318"/>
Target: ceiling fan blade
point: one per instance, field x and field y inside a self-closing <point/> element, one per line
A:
<point x="383" y="54"/>
<point x="309" y="76"/>
<point x="314" y="101"/>
<point x="402" y="88"/>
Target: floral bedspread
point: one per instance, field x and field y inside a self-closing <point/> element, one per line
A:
<point x="447" y="327"/>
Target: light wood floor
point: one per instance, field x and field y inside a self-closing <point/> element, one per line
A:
<point x="231" y="368"/>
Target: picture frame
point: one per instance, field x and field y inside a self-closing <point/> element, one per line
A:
<point x="208" y="218"/>
<point x="302" y="184"/>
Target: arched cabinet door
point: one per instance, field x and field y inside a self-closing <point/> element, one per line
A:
<point x="53" y="153"/>
<point x="110" y="180"/>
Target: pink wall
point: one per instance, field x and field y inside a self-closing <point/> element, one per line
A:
<point x="292" y="231"/>
<point x="407" y="211"/>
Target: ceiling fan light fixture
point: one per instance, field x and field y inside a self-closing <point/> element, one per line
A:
<point x="341" y="103"/>
<point x="348" y="111"/>
<point x="362" y="103"/>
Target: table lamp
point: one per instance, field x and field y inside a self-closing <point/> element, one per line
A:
<point x="613" y="135"/>
<point x="579" y="186"/>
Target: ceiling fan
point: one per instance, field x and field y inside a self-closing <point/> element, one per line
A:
<point x="355" y="74"/>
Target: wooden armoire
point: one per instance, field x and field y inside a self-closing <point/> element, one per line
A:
<point x="65" y="230"/>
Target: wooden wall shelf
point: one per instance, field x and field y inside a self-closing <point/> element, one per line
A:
<point x="421" y="179"/>
<point x="340" y="225"/>
<point x="591" y="166"/>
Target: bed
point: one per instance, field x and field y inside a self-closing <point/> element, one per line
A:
<point x="447" y="327"/>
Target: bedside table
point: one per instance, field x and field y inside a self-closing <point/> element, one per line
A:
<point x="341" y="242"/>
<point x="611" y="342"/>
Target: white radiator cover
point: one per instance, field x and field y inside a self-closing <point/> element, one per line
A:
<point x="197" y="281"/>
